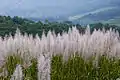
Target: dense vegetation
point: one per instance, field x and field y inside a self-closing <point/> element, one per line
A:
<point x="70" y="56"/>
<point x="76" y="68"/>
<point x="9" y="25"/>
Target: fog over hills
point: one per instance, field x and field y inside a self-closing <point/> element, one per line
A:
<point x="73" y="10"/>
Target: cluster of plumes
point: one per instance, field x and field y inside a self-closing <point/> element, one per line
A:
<point x="17" y="75"/>
<point x="99" y="42"/>
<point x="43" y="68"/>
<point x="71" y="42"/>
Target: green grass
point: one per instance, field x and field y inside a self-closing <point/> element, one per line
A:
<point x="30" y="73"/>
<point x="75" y="68"/>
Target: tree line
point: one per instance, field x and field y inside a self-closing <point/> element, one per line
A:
<point x="8" y="25"/>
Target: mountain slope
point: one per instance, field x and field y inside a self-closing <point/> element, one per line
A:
<point x="98" y="15"/>
<point x="115" y="21"/>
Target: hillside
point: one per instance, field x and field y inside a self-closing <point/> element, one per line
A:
<point x="9" y="25"/>
<point x="99" y="15"/>
<point x="115" y="21"/>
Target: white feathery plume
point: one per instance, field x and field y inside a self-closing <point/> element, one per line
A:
<point x="99" y="43"/>
<point x="44" y="67"/>
<point x="17" y="75"/>
<point x="118" y="79"/>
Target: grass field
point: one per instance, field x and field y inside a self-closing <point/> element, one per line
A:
<point x="70" y="56"/>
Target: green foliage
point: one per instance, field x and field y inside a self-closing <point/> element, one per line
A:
<point x="109" y="69"/>
<point x="11" y="63"/>
<point x="9" y="25"/>
<point x="30" y="73"/>
<point x="100" y="26"/>
<point x="77" y="68"/>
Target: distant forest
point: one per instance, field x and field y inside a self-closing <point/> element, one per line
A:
<point x="8" y="25"/>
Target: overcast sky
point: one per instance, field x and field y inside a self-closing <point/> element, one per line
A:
<point x="35" y="8"/>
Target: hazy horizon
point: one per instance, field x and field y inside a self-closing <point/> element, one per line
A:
<point x="52" y="8"/>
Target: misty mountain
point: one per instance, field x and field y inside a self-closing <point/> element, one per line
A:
<point x="100" y="15"/>
<point x="52" y="8"/>
<point x="78" y="11"/>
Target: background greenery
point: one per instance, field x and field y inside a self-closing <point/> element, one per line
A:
<point x="9" y="25"/>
